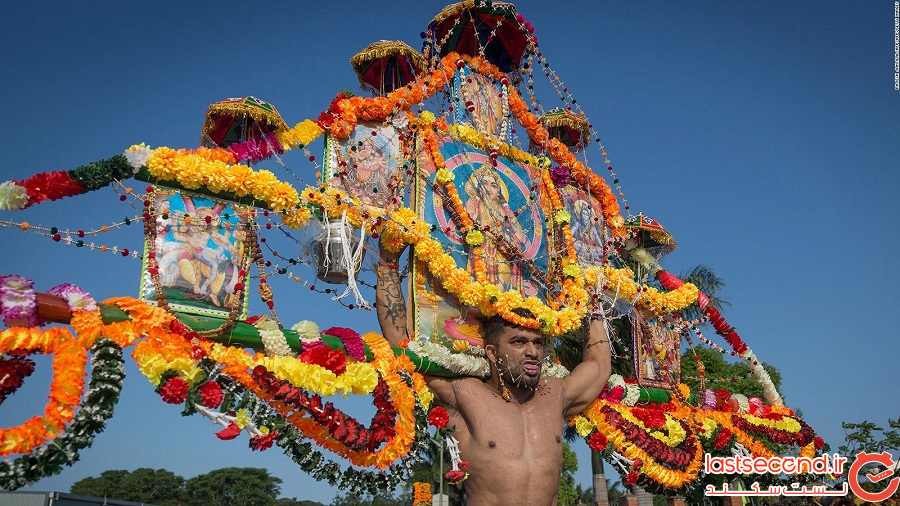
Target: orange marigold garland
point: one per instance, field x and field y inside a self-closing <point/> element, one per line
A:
<point x="66" y="385"/>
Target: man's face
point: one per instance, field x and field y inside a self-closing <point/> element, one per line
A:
<point x="519" y="354"/>
<point x="490" y="188"/>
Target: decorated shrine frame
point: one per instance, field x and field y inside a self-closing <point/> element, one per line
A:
<point x="509" y="193"/>
<point x="202" y="250"/>
<point x="657" y="361"/>
<point x="366" y="165"/>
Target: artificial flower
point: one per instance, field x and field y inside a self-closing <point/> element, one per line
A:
<point x="231" y="431"/>
<point x="572" y="270"/>
<point x="350" y="339"/>
<point x="272" y="337"/>
<point x="137" y="156"/>
<point x="307" y="330"/>
<point x="211" y="394"/>
<point x="263" y="442"/>
<point x="438" y="417"/>
<point x="583" y="426"/>
<point x="460" y="345"/>
<point x="322" y="355"/>
<point x="175" y="390"/>
<point x="12" y="196"/>
<point x="597" y="441"/>
<point x="444" y="176"/>
<point x="242" y="418"/>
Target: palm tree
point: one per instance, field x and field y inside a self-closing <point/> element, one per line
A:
<point x="614" y="491"/>
<point x="709" y="283"/>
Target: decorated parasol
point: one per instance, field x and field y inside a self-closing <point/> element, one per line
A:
<point x="569" y="127"/>
<point x="239" y="119"/>
<point x="386" y="65"/>
<point x="471" y="26"/>
<point x="650" y="235"/>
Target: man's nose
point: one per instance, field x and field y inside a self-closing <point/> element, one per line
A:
<point x="531" y="350"/>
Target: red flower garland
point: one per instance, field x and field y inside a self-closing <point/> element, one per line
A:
<point x="13" y="372"/>
<point x="723" y="439"/>
<point x="676" y="458"/>
<point x="52" y="185"/>
<point x="670" y="282"/>
<point x="341" y="427"/>
<point x="319" y="354"/>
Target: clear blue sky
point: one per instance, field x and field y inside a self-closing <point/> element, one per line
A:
<point x="764" y="135"/>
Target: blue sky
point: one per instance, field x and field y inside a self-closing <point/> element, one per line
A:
<point x="764" y="135"/>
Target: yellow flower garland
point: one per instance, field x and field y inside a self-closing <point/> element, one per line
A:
<point x="301" y="134"/>
<point x="659" y="303"/>
<point x="657" y="472"/>
<point x="206" y="170"/>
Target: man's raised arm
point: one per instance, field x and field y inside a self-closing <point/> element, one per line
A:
<point x="389" y="303"/>
<point x="590" y="376"/>
<point x="391" y="309"/>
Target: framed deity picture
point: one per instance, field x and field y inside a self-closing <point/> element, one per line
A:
<point x="200" y="246"/>
<point x="367" y="165"/>
<point x="587" y="224"/>
<point x="657" y="353"/>
<point x="498" y="198"/>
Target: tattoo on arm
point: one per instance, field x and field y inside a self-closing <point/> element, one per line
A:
<point x="390" y="304"/>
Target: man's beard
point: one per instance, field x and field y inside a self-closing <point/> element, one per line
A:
<point x="515" y="376"/>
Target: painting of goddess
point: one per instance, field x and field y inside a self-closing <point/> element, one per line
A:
<point x="488" y="206"/>
<point x="365" y="164"/>
<point x="200" y="249"/>
<point x="587" y="225"/>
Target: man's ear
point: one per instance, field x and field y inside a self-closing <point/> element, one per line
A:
<point x="491" y="351"/>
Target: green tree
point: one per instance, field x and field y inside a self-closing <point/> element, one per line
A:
<point x="156" y="486"/>
<point x="719" y="373"/>
<point x="568" y="494"/>
<point x="233" y="485"/>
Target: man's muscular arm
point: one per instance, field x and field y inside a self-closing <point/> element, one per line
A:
<point x="590" y="376"/>
<point x="390" y="306"/>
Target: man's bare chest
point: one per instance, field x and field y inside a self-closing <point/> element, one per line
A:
<point x="509" y="428"/>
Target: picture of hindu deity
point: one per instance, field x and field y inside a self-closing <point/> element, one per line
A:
<point x="486" y="101"/>
<point x="488" y="206"/>
<point x="586" y="224"/>
<point x="515" y="249"/>
<point x="368" y="162"/>
<point x="199" y="250"/>
<point x="657" y="358"/>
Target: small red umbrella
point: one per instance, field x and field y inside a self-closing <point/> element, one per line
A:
<point x="386" y="65"/>
<point x="238" y="120"/>
<point x="651" y="235"/>
<point x="571" y="128"/>
<point x="466" y="27"/>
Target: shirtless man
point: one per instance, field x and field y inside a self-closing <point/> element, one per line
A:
<point x="509" y="426"/>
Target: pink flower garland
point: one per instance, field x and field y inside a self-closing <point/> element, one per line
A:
<point x="351" y="340"/>
<point x="18" y="302"/>
<point x="255" y="150"/>
<point x="76" y="298"/>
